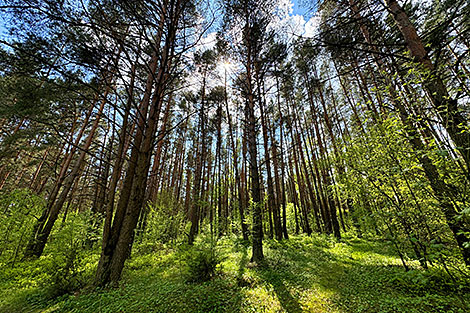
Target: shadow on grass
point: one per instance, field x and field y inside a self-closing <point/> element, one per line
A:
<point x="335" y="280"/>
<point x="25" y="301"/>
<point x="269" y="274"/>
<point x="150" y="284"/>
<point x="276" y="279"/>
<point x="242" y="263"/>
<point x="381" y="247"/>
<point x="305" y="273"/>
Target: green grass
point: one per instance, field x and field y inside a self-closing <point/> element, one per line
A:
<point x="302" y="274"/>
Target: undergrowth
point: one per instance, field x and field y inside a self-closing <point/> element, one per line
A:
<point x="302" y="274"/>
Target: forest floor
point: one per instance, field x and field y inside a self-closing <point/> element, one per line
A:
<point x="302" y="274"/>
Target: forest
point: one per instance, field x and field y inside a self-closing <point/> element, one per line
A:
<point x="235" y="156"/>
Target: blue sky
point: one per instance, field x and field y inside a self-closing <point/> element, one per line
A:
<point x="299" y="9"/>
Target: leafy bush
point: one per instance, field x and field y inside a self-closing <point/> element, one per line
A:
<point x="19" y="210"/>
<point x="77" y="231"/>
<point x="201" y="260"/>
<point x="71" y="262"/>
<point x="65" y="276"/>
<point x="431" y="280"/>
<point x="164" y="222"/>
<point x="202" y="265"/>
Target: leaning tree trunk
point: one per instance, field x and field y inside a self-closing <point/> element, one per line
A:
<point x="453" y="120"/>
<point x="441" y="100"/>
<point x="38" y="240"/>
<point x="113" y="254"/>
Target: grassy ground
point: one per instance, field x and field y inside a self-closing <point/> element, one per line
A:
<point x="303" y="274"/>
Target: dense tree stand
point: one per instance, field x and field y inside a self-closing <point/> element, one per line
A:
<point x="237" y="155"/>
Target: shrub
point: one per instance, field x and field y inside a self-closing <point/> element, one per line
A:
<point x="203" y="265"/>
<point x="70" y="261"/>
<point x="65" y="276"/>
<point x="19" y="210"/>
<point x="164" y="223"/>
<point x="201" y="260"/>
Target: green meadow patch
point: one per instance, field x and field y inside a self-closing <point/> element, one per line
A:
<point x="302" y="274"/>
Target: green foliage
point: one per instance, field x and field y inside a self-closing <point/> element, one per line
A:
<point x="65" y="273"/>
<point x="71" y="261"/>
<point x="389" y="192"/>
<point x="75" y="233"/>
<point x="302" y="274"/>
<point x="202" y="265"/>
<point x="201" y="260"/>
<point x="428" y="281"/>
<point x="164" y="222"/>
<point x="19" y="210"/>
<point x="66" y="265"/>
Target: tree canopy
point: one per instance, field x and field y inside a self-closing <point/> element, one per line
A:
<point x="181" y="129"/>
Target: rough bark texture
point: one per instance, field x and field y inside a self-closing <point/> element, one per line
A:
<point x="257" y="229"/>
<point x="118" y="246"/>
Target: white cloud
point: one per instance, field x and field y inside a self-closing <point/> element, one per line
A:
<point x="207" y="42"/>
<point x="296" y="26"/>
<point x="311" y="26"/>
<point x="285" y="7"/>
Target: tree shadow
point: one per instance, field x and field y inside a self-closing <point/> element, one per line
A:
<point x="352" y="284"/>
<point x="304" y="273"/>
<point x="268" y="273"/>
<point x="241" y="246"/>
<point x="381" y="247"/>
<point x="276" y="279"/>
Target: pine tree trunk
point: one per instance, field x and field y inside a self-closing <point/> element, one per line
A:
<point x="452" y="119"/>
<point x="39" y="238"/>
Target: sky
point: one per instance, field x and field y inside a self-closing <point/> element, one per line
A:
<point x="298" y="12"/>
<point x="299" y="21"/>
<point x="298" y="8"/>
